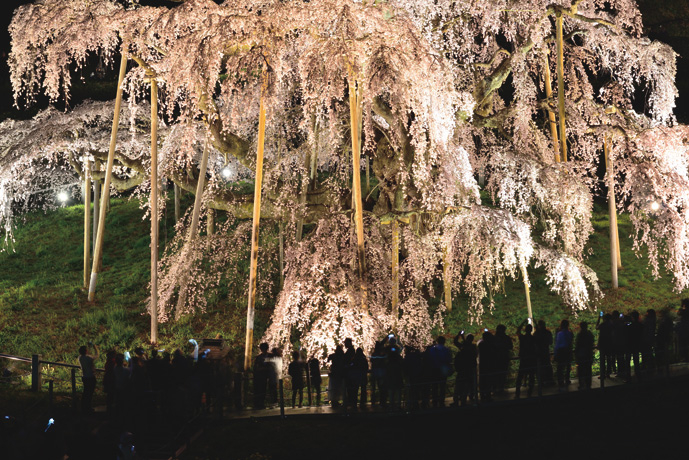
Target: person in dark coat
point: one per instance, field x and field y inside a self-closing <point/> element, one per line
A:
<point x="359" y="376"/>
<point x="336" y="377"/>
<point x="441" y="358"/>
<point x="544" y="340"/>
<point x="605" y="344"/>
<point x="528" y="359"/>
<point x="261" y="376"/>
<point x="564" y="339"/>
<point x="583" y="352"/>
<point x="296" y="374"/>
<point x="487" y="366"/>
<point x="316" y="380"/>
<point x="465" y="365"/>
<point x="503" y="350"/>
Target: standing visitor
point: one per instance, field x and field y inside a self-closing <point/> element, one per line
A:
<point x="528" y="359"/>
<point x="583" y="351"/>
<point x="261" y="376"/>
<point x="296" y="374"/>
<point x="563" y="354"/>
<point x="316" y="380"/>
<point x="88" y="376"/>
<point x="544" y="340"/>
<point x="503" y="349"/>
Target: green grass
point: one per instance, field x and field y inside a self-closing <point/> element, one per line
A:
<point x="44" y="309"/>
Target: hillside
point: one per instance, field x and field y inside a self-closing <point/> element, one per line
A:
<point x="43" y="308"/>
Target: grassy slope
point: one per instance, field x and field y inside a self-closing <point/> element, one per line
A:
<point x="43" y="307"/>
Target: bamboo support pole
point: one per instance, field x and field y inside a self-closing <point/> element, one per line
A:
<point x="612" y="212"/>
<point x="154" y="210"/>
<point x="96" y="212"/>
<point x="395" y="268"/>
<point x="447" y="283"/>
<point x="177" y="204"/>
<point x="525" y="275"/>
<point x="281" y="241"/>
<point x="551" y="115"/>
<point x="248" y="345"/>
<point x="98" y="251"/>
<point x="561" y="86"/>
<point x="87" y="222"/>
<point x="210" y="222"/>
<point x="194" y="227"/>
<point x="356" y="173"/>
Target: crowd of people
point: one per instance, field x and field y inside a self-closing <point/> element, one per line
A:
<point x="630" y="347"/>
<point x="482" y="366"/>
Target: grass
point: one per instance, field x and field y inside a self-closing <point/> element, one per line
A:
<point x="44" y="309"/>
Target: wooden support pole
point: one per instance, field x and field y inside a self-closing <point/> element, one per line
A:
<point x="98" y="251"/>
<point x="154" y="210"/>
<point x="177" y="205"/>
<point x="356" y="189"/>
<point x="87" y="221"/>
<point x="281" y="238"/>
<point x="551" y="115"/>
<point x="248" y="345"/>
<point x="447" y="282"/>
<point x="96" y="213"/>
<point x="194" y="227"/>
<point x="395" y="268"/>
<point x="612" y="213"/>
<point x="561" y="86"/>
<point x="210" y="222"/>
<point x="525" y="275"/>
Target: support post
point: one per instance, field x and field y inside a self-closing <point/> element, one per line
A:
<point x="447" y="283"/>
<point x="551" y="115"/>
<point x="612" y="212"/>
<point x="210" y="222"/>
<point x="194" y="227"/>
<point x="87" y="221"/>
<point x="395" y="268"/>
<point x="154" y="209"/>
<point x="525" y="275"/>
<point x="98" y="251"/>
<point x="561" y="86"/>
<point x="96" y="210"/>
<point x="177" y="205"/>
<point x="281" y="239"/>
<point x="354" y="101"/>
<point x="248" y="345"/>
<point x="35" y="372"/>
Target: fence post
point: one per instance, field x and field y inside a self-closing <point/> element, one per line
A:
<point x="74" y="388"/>
<point x="50" y="395"/>
<point x="35" y="372"/>
<point x="282" y="399"/>
<point x="308" y="382"/>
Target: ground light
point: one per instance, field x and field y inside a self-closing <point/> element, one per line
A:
<point x="63" y="197"/>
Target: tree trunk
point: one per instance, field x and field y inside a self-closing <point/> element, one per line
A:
<point x="561" y="86"/>
<point x="98" y="251"/>
<point x="248" y="346"/>
<point x="154" y="210"/>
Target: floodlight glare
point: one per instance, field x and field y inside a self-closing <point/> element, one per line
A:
<point x="655" y="206"/>
<point x="63" y="197"/>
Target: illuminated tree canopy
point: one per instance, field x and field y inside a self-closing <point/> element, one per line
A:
<point x="455" y="99"/>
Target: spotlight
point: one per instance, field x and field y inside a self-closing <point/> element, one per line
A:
<point x="226" y="173"/>
<point x="655" y="206"/>
<point x="63" y="197"/>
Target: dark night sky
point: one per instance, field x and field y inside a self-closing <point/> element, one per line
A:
<point x="666" y="20"/>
